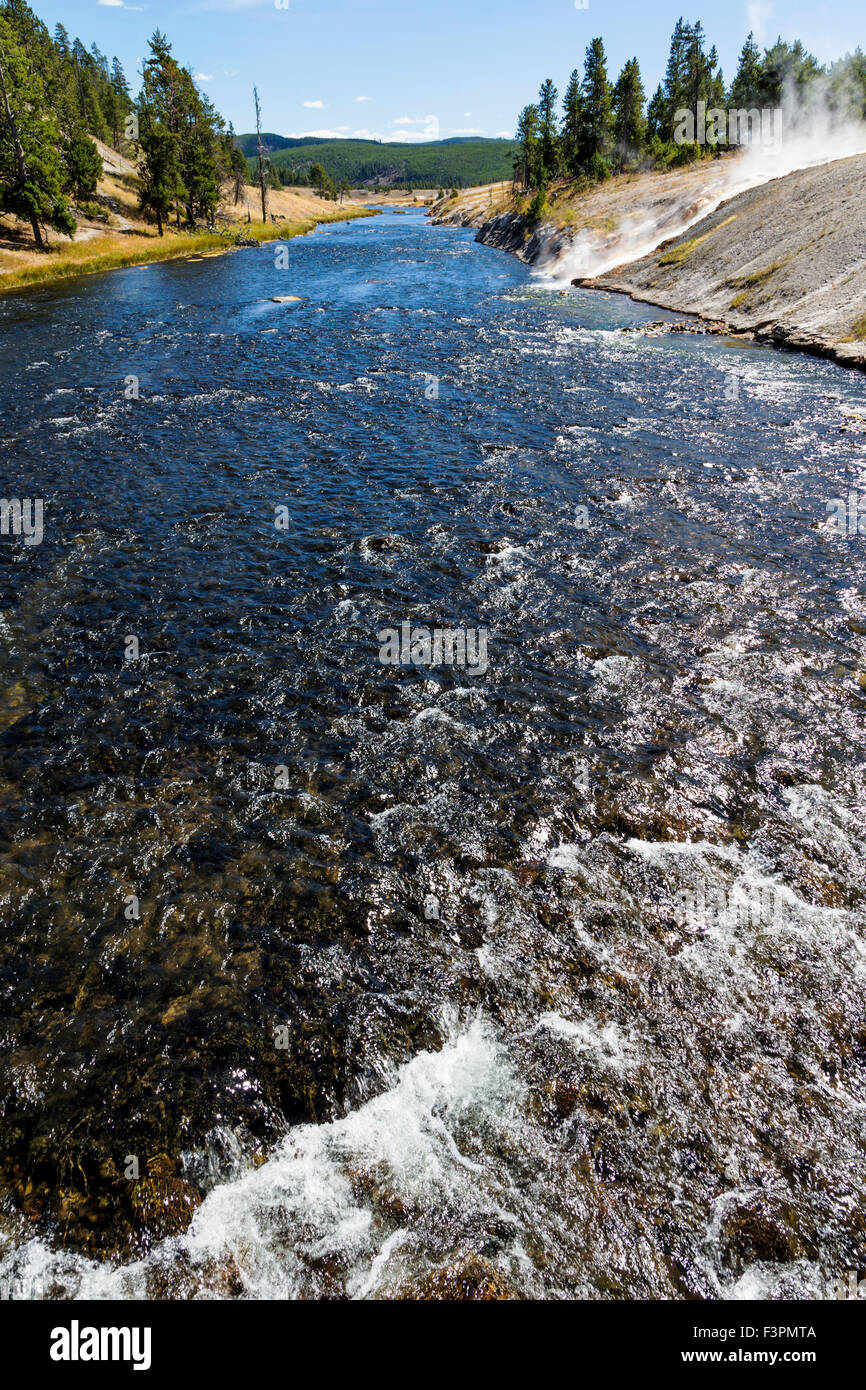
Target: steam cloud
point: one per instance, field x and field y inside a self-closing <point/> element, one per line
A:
<point x="816" y="129"/>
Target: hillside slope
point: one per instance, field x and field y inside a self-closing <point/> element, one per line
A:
<point x="785" y="262"/>
<point x="111" y="231"/>
<point x="428" y="164"/>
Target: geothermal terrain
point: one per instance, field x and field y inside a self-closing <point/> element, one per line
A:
<point x="784" y="260"/>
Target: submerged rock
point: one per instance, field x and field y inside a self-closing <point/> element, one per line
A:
<point x="470" y="1280"/>
<point x="764" y="1228"/>
<point x="162" y="1202"/>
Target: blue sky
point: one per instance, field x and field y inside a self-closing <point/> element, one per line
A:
<point x="413" y="69"/>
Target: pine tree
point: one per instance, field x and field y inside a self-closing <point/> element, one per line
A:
<point x="746" y="87"/>
<point x="118" y="80"/>
<point x="110" y="107"/>
<point x="159" y="181"/>
<point x="696" y="67"/>
<point x="161" y="188"/>
<point x="547" y="133"/>
<point x="183" y="140"/>
<point x="629" y="122"/>
<point x="655" y="116"/>
<point x="200" y="153"/>
<point x="676" y="78"/>
<point x="597" y="109"/>
<point x="87" y="75"/>
<point x="31" y="174"/>
<point x="573" y="134"/>
<point x="123" y="103"/>
<point x="82" y="164"/>
<point x="527" y="135"/>
<point x="716" y="80"/>
<point x="786" y="66"/>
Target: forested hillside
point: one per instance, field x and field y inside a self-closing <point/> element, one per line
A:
<point x="56" y="97"/>
<point x="605" y="126"/>
<point x="456" y="163"/>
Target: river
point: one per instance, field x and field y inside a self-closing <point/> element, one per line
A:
<point x="543" y="977"/>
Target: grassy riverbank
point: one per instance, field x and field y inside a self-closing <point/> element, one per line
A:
<point x="113" y="251"/>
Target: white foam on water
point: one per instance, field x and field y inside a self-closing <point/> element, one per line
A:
<point x="767" y="1282"/>
<point x="433" y="715"/>
<point x="277" y="1226"/>
<point x="572" y="858"/>
<point x="608" y="1045"/>
<point x="347" y="611"/>
<point x="658" y="851"/>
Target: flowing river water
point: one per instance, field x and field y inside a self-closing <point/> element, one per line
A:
<point x="323" y="977"/>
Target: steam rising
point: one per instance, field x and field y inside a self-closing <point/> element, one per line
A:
<point x="815" y="130"/>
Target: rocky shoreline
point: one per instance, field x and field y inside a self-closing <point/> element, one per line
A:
<point x="782" y="263"/>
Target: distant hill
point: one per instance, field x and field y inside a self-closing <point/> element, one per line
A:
<point x="460" y="162"/>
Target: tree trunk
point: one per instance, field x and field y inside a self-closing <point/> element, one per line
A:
<point x="261" y="161"/>
<point x="19" y="156"/>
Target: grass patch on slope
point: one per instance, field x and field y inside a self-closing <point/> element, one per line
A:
<point x="753" y="281"/>
<point x="677" y="254"/>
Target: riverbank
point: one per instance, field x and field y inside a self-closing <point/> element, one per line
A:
<point x="140" y="248"/>
<point x="782" y="262"/>
<point x="112" y="235"/>
<point x="803" y="286"/>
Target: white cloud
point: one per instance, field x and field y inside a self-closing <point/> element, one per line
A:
<point x="466" y="115"/>
<point x="399" y="136"/>
<point x="313" y="134"/>
<point x="363" y="98"/>
<point x="203" y="76"/>
<point x="469" y="131"/>
<point x="503" y="135"/>
<point x="112" y="4"/>
<point x="231" y="4"/>
<point x="315" y="105"/>
<point x="406" y="137"/>
<point x="430" y="131"/>
<point x="758" y="16"/>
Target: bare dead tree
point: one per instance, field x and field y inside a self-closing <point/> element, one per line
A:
<point x="262" y="161"/>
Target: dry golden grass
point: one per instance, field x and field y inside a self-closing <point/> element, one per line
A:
<point x="113" y="250"/>
<point x="120" y="237"/>
<point x="858" y="331"/>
